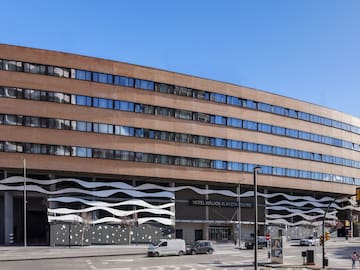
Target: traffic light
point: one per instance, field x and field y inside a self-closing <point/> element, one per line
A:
<point x="321" y="240"/>
<point x="327" y="236"/>
<point x="358" y="195"/>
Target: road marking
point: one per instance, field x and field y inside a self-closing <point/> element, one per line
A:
<point x="120" y="260"/>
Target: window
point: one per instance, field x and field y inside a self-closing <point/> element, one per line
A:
<point x="12" y="65"/>
<point x="268" y="149"/>
<point x="250" y="104"/>
<point x="202" y="117"/>
<point x="186" y="115"/>
<point x="124" y="106"/>
<point x="164" y="88"/>
<point x="233" y="100"/>
<point x="183" y="91"/>
<point x="99" y="77"/>
<point x="219" y="120"/>
<point x="234" y="166"/>
<point x="292" y="133"/>
<point x="83" y="75"/>
<point x="264" y="107"/>
<point x="218" y="142"/>
<point x="264" y="128"/>
<point x="234" y="144"/>
<point x="103" y="103"/>
<point x="249" y="125"/>
<point x="233" y="122"/>
<point x="248" y="146"/>
<point x="201" y="94"/>
<point x="124" y="131"/>
<point x="103" y="128"/>
<point x="83" y="126"/>
<point x="142" y="108"/>
<point x="219" y="164"/>
<point x="124" y="81"/>
<point x="164" y="111"/>
<point x="83" y="101"/>
<point x="218" y="97"/>
<point x="278" y="130"/>
<point x="10" y="92"/>
<point x="144" y="84"/>
<point x="83" y="152"/>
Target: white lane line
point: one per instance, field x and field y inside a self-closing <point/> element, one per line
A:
<point x="122" y="268"/>
<point x="119" y="260"/>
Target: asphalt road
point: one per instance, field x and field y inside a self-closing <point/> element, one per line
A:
<point x="224" y="258"/>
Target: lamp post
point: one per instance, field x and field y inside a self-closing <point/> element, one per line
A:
<point x="25" y="201"/>
<point x="256" y="168"/>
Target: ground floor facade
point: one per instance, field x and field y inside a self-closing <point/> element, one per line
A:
<point x="65" y="209"/>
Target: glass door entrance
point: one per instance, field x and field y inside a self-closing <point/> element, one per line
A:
<point x="219" y="233"/>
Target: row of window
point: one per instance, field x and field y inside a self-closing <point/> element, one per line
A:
<point x="171" y="89"/>
<point x="74" y="151"/>
<point x="176" y="113"/>
<point x="33" y="121"/>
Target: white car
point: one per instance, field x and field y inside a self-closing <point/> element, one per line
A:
<point x="310" y="241"/>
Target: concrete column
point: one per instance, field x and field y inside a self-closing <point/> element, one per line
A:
<point x="206" y="225"/>
<point x="8" y="216"/>
<point x="172" y="209"/>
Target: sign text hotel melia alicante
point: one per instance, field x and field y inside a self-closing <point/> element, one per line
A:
<point x="219" y="203"/>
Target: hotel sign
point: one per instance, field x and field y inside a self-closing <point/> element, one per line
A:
<point x="217" y="203"/>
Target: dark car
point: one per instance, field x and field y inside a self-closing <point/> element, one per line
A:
<point x="262" y="242"/>
<point x="201" y="247"/>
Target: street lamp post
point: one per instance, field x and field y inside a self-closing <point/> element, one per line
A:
<point x="25" y="201"/>
<point x="256" y="168"/>
<point x="323" y="232"/>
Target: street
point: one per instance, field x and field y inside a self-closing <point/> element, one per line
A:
<point x="226" y="257"/>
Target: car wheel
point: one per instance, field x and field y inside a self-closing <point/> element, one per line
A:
<point x="156" y="254"/>
<point x="193" y="252"/>
<point x="210" y="251"/>
<point x="181" y="253"/>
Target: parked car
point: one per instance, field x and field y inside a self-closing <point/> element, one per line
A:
<point x="262" y="242"/>
<point x="167" y="247"/>
<point x="310" y="241"/>
<point x="200" y="247"/>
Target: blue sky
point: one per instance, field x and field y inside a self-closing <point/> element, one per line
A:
<point x="305" y="49"/>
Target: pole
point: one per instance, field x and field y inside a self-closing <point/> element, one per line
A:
<point x="256" y="168"/>
<point x="239" y="216"/>
<point x="25" y="210"/>
<point x="323" y="233"/>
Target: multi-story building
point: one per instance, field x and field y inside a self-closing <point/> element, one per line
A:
<point x="112" y="152"/>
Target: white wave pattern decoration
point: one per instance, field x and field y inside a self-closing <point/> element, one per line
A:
<point x="298" y="223"/>
<point x="115" y="212"/>
<point x="290" y="204"/>
<point x="112" y="220"/>
<point x="134" y="202"/>
<point x="101" y="193"/>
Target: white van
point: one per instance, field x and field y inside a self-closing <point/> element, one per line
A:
<point x="167" y="247"/>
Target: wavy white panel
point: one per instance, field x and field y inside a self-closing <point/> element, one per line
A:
<point x="295" y="210"/>
<point x="331" y="215"/>
<point x="101" y="193"/>
<point x="301" y="204"/>
<point x="78" y="219"/>
<point x="302" y="222"/>
<point x="134" y="202"/>
<point x="120" y="185"/>
<point x="115" y="212"/>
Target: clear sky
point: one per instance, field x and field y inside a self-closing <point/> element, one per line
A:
<point x="305" y="49"/>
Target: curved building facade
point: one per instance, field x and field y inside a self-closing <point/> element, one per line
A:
<point x="114" y="153"/>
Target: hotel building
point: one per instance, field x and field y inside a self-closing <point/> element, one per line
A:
<point x="115" y="153"/>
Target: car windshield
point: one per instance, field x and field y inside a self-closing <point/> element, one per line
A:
<point x="155" y="243"/>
